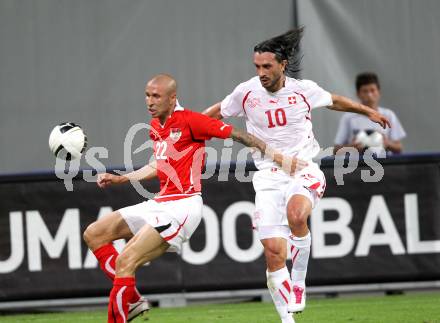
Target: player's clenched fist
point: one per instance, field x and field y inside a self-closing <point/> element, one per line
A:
<point x="107" y="179"/>
<point x="292" y="165"/>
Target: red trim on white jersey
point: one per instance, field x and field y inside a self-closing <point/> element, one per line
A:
<point x="309" y="116"/>
<point x="244" y="101"/>
<point x="305" y="101"/>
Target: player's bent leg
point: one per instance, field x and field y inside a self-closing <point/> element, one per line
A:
<point x="145" y="246"/>
<point x="278" y="279"/>
<point x="99" y="237"/>
<point x="299" y="208"/>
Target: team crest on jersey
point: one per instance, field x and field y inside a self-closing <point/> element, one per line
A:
<point x="175" y="134"/>
<point x="254" y="102"/>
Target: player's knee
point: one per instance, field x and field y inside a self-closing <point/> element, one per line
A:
<point x="297" y="217"/>
<point x="89" y="234"/>
<point x="93" y="235"/>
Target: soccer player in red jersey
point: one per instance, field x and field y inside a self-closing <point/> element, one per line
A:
<point x="165" y="222"/>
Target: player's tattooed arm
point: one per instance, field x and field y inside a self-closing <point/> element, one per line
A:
<point x="289" y="164"/>
<point x="145" y="173"/>
<point x="342" y="103"/>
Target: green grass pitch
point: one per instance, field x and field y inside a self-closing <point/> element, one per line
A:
<point x="412" y="308"/>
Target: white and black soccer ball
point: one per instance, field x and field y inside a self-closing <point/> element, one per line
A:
<point x="67" y="141"/>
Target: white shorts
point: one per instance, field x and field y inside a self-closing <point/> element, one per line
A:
<point x="274" y="188"/>
<point x="175" y="221"/>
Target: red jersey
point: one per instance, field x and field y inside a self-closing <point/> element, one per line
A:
<point x="179" y="149"/>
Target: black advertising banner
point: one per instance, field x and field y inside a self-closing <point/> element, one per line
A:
<point x="386" y="231"/>
<point x="364" y="231"/>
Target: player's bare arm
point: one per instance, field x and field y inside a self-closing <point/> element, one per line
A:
<point x="289" y="164"/>
<point x="342" y="103"/>
<point x="147" y="172"/>
<point x="213" y="111"/>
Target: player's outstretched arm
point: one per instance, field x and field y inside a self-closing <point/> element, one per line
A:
<point x="145" y="173"/>
<point x="289" y="164"/>
<point x="213" y="111"/>
<point x="342" y="103"/>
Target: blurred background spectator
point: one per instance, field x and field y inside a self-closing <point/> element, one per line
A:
<point x="359" y="132"/>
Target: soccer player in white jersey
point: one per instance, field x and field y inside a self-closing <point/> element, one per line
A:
<point x="277" y="109"/>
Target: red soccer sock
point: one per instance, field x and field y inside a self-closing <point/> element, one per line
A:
<point x="123" y="293"/>
<point x="106" y="256"/>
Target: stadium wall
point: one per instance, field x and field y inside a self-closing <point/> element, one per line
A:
<point x="363" y="232"/>
<point x="398" y="39"/>
<point x="88" y="61"/>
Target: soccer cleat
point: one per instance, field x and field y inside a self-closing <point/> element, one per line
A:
<point x="297" y="300"/>
<point x="140" y="307"/>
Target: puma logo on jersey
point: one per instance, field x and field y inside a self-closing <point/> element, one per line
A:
<point x="273" y="101"/>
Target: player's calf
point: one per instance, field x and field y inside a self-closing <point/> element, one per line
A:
<point x="299" y="208"/>
<point x="274" y="255"/>
<point x="300" y="249"/>
<point x="146" y="245"/>
<point x="126" y="263"/>
<point x="278" y="279"/>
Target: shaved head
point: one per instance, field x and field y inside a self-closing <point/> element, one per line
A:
<point x="160" y="96"/>
<point x="166" y="81"/>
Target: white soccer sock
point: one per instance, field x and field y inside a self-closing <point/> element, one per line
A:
<point x="280" y="286"/>
<point x="300" y="247"/>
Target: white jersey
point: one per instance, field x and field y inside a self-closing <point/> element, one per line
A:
<point x="281" y="119"/>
